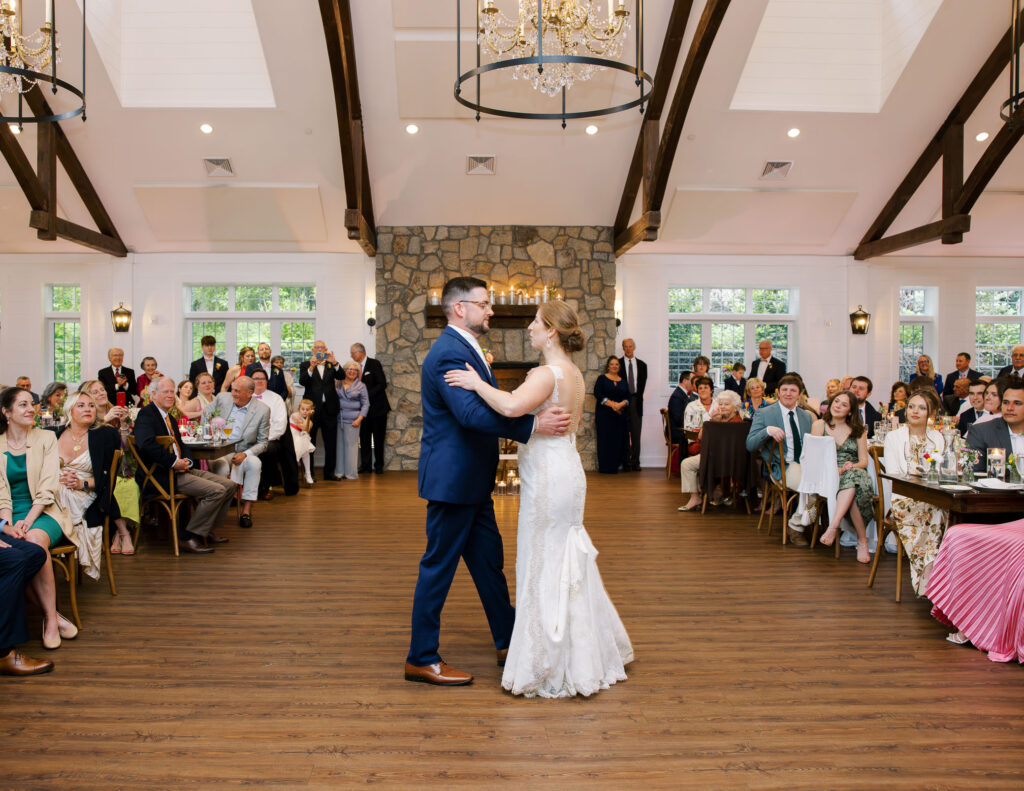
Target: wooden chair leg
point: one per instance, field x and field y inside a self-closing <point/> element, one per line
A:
<point x="106" y="556"/>
<point x="899" y="568"/>
<point x="764" y="502"/>
<point x="882" y="533"/>
<point x="703" y="503"/>
<point x="72" y="586"/>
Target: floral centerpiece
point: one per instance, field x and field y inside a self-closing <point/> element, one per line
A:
<point x="930" y="460"/>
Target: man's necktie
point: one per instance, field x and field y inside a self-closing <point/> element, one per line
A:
<point x="174" y="439"/>
<point x="632" y="382"/>
<point x="798" y="446"/>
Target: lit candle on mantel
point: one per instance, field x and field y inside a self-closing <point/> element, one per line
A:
<point x="490" y="293"/>
<point x="434" y="299"/>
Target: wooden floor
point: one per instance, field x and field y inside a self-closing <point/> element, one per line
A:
<point x="278" y="662"/>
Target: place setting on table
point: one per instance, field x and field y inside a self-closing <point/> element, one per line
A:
<point x="207" y="440"/>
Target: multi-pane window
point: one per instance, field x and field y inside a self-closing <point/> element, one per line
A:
<point x="917" y="316"/>
<point x="248" y="315"/>
<point x="999" y="317"/>
<point x="62" y="308"/>
<point x="726" y="325"/>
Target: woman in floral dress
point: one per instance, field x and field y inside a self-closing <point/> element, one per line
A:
<point x="920" y="525"/>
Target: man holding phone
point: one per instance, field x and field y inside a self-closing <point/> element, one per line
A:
<point x="317" y="378"/>
<point x="118" y="379"/>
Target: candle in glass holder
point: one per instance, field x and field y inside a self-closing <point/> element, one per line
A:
<point x="501" y="488"/>
<point x="435" y="298"/>
<point x="996" y="462"/>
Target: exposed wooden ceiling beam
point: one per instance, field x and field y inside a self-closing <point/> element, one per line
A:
<point x="693" y="67"/>
<point x="957" y="225"/>
<point x="22" y="169"/>
<point x="359" y="218"/>
<point x="947" y="144"/>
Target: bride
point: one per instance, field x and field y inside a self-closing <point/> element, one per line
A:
<point x="568" y="639"/>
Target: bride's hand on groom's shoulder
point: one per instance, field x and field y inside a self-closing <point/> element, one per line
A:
<point x="553" y="421"/>
<point x="467" y="380"/>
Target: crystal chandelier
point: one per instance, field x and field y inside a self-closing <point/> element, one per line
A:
<point x="552" y="44"/>
<point x="30" y="55"/>
<point x="570" y="27"/>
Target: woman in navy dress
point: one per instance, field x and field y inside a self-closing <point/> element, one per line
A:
<point x="612" y="395"/>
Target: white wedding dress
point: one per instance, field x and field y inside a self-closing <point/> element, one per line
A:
<point x="568" y="639"/>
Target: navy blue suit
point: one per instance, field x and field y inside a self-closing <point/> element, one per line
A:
<point x="19" y="563"/>
<point x="457" y="465"/>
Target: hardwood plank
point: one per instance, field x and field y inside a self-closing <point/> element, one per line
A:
<point x="277" y="661"/>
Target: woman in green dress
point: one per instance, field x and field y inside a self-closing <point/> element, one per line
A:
<point x="842" y="422"/>
<point x="31" y="467"/>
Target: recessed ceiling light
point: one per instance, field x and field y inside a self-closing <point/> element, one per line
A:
<point x="591" y="130"/>
<point x="794" y="132"/>
<point x="15" y="129"/>
<point x="981" y="137"/>
<point x="206" y="129"/>
<point x="412" y="129"/>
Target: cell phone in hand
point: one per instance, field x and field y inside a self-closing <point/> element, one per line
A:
<point x="122" y="399"/>
<point x="321" y="355"/>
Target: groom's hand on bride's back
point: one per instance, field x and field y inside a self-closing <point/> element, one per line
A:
<point x="553" y="421"/>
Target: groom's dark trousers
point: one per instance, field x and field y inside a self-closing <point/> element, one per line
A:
<point x="457" y="465"/>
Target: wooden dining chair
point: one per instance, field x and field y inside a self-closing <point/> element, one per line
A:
<point x="776" y="491"/>
<point x="885" y="525"/>
<point x="114" y="466"/>
<point x="822" y="522"/>
<point x="65" y="557"/>
<point x="670" y="446"/>
<point x="153" y="493"/>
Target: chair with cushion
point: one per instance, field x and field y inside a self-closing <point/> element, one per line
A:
<point x="885" y="524"/>
<point x="670" y="446"/>
<point x="152" y="492"/>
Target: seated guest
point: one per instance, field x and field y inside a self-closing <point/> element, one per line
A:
<point x="20" y="562"/>
<point x="861" y="387"/>
<point x="30" y="469"/>
<point x="963" y="371"/>
<point x="289" y="380"/>
<point x="1016" y="366"/>
<point x="86" y="449"/>
<point x="184" y="393"/>
<point x="213" y="492"/>
<point x="149" y="373"/>
<point x="275" y="376"/>
<point x="842" y="423"/>
<point x="209" y="363"/>
<point x="299" y="424"/>
<point x="957" y="402"/>
<point x="204" y="396"/>
<point x="1005" y="431"/>
<point x="993" y="405"/>
<point x="976" y="407"/>
<point x="898" y="395"/>
<point x="926" y="369"/>
<point x="701" y="364"/>
<point x="784" y="421"/>
<point x="280" y="467"/>
<point x="767" y="368"/>
<point x="355" y="405"/>
<point x="108" y="413"/>
<point x="611" y="396"/>
<point x="728" y="411"/>
<point x="52" y="399"/>
<point x="737" y="382"/>
<point x="118" y="378"/>
<point x="26" y="384"/>
<point x="246" y="357"/>
<point x="700" y="409"/>
<point x="754" y="394"/>
<point x="831" y="388"/>
<point x="248" y="426"/>
<point x="977" y="587"/>
<point x="919" y="524"/>
<point x="677" y="403"/>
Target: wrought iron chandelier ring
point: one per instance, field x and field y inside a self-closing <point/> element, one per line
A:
<point x="57" y="82"/>
<point x="642" y="78"/>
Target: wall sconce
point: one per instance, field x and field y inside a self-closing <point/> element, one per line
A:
<point x="859" y="321"/>
<point x="371" y="309"/>
<point x="121" y="318"/>
<point x="618" y="313"/>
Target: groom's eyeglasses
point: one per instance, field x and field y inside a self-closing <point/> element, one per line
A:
<point x="482" y="305"/>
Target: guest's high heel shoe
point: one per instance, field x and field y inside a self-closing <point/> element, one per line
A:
<point x="126" y="544"/>
<point x="115" y="545"/>
<point x="50" y="645"/>
<point x="67" y="630"/>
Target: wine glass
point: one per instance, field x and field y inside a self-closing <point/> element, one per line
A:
<point x="227" y="431"/>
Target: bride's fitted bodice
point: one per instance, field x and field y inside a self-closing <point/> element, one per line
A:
<point x="556" y="398"/>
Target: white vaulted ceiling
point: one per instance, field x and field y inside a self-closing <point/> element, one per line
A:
<point x="143" y="149"/>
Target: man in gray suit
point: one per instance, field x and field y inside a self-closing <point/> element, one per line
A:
<point x="249" y="422"/>
<point x="785" y="421"/>
<point x="1006" y="432"/>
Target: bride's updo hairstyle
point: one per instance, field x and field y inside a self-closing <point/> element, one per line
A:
<point x="560" y="317"/>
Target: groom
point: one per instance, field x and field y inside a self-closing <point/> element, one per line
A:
<point x="458" y="462"/>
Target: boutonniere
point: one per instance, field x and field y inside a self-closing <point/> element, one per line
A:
<point x="217" y="366"/>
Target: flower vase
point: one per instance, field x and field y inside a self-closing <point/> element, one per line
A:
<point x="968" y="476"/>
<point x="933" y="473"/>
<point x="1012" y="476"/>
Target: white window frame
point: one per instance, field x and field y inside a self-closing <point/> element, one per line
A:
<point x="925" y="320"/>
<point x="51" y="318"/>
<point x="275" y="317"/>
<point x="748" y="319"/>
<point x="987" y="319"/>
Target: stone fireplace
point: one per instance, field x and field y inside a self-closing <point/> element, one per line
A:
<point x="414" y="261"/>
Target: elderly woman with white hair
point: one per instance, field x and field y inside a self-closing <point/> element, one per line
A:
<point x="355" y="404"/>
<point x="727" y="410"/>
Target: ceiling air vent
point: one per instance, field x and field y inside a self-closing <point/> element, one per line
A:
<point x="776" y="170"/>
<point x="480" y="165"/>
<point x="218" y="167"/>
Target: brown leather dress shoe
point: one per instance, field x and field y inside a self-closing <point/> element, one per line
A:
<point x="502" y="656"/>
<point x="212" y="539"/>
<point x="795" y="538"/>
<point x="15" y="664"/>
<point x="193" y="546"/>
<point x="438" y="673"/>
